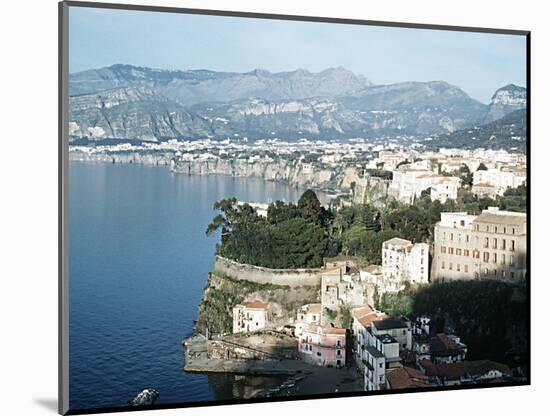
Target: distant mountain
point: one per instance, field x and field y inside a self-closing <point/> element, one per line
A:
<point x="196" y="86"/>
<point x="508" y="132"/>
<point x="127" y="102"/>
<point x="505" y="100"/>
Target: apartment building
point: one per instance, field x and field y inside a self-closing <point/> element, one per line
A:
<point x="490" y="245"/>
<point x="404" y="261"/>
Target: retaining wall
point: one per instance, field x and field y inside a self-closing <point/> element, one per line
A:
<point x="263" y="275"/>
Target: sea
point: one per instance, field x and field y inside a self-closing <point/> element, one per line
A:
<point x="138" y="262"/>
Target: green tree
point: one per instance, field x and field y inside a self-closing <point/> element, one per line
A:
<point x="310" y="207"/>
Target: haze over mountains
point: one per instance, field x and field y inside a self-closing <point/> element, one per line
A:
<point x="128" y="102"/>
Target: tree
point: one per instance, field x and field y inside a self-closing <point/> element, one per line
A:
<point x="310" y="207"/>
<point x="482" y="166"/>
<point x="279" y="211"/>
<point x="297" y="243"/>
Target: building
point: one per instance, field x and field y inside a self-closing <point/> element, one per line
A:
<point x="465" y="372"/>
<point x="408" y="184"/>
<point x="307" y="314"/>
<point x="378" y="350"/>
<point x="362" y="318"/>
<point x="407" y="378"/>
<point x="501" y="178"/>
<point x="447" y="349"/>
<point x="323" y="345"/>
<point x="250" y="316"/>
<point x="341" y="285"/>
<point x="490" y="245"/>
<point x="403" y="261"/>
<point x="483" y="189"/>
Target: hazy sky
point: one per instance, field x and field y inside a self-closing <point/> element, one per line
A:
<point x="478" y="63"/>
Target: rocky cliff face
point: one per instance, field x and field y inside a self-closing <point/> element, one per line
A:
<point x="506" y="100"/>
<point x="127" y="102"/>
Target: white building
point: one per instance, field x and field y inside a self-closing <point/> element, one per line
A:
<point x="408" y="184"/>
<point x="307" y="314"/>
<point x="404" y="261"/>
<point x="250" y="317"/>
<point x="490" y="245"/>
<point x="502" y="179"/>
<point x="385" y="340"/>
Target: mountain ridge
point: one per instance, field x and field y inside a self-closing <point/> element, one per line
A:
<point x="129" y="102"/>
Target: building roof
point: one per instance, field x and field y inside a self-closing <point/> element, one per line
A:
<point x="502" y="217"/>
<point x="313" y="307"/>
<point x="460" y="369"/>
<point x="407" y="378"/>
<point x="396" y="241"/>
<point x="324" y="329"/>
<point x="441" y="344"/>
<point x="366" y="315"/>
<point x="390" y="323"/>
<point x="256" y="304"/>
<point x="483" y="185"/>
<point x="386" y="339"/>
<point x="373" y="351"/>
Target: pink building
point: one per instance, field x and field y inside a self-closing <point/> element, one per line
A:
<point x="323" y="345"/>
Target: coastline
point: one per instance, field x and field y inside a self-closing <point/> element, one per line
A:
<point x="166" y="160"/>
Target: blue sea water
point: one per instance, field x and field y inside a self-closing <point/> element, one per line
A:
<point x="138" y="262"/>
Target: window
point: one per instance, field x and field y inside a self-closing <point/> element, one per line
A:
<point x="458" y="267"/>
<point x="504" y="230"/>
<point x="486" y="271"/>
<point x="485" y="257"/>
<point x="503" y="259"/>
<point x="503" y="274"/>
<point x="451" y="250"/>
<point x="459" y="252"/>
<point x="512" y="261"/>
<point x="466" y="252"/>
<point x="476" y="254"/>
<point x="513" y="230"/>
<point x="487" y="228"/>
<point x="486" y="242"/>
<point x="443" y="249"/>
<point x="495" y="243"/>
<point x="496" y="229"/>
<point x="494" y="258"/>
<point x="466" y="268"/>
<point x="444" y="235"/>
<point x="451" y="236"/>
<point x="512" y="245"/>
<point x="477" y="227"/>
<point x="467" y="238"/>
<point x="511" y="275"/>
<point x="462" y="223"/>
<point x="442" y="265"/>
<point x="495" y="272"/>
<point x="381" y="365"/>
<point x="503" y="244"/>
<point x="450" y="266"/>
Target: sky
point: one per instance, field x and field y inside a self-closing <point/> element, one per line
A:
<point x="479" y="63"/>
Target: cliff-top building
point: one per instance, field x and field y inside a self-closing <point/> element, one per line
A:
<point x="490" y="245"/>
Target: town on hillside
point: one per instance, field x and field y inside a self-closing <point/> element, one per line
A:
<point x="427" y="290"/>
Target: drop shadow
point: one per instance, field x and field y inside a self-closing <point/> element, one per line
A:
<point x="48" y="404"/>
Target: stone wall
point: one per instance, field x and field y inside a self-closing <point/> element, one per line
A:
<point x="263" y="275"/>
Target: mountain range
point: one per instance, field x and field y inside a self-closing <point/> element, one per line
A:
<point x="129" y="102"/>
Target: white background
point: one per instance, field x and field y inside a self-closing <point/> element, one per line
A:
<point x="28" y="205"/>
